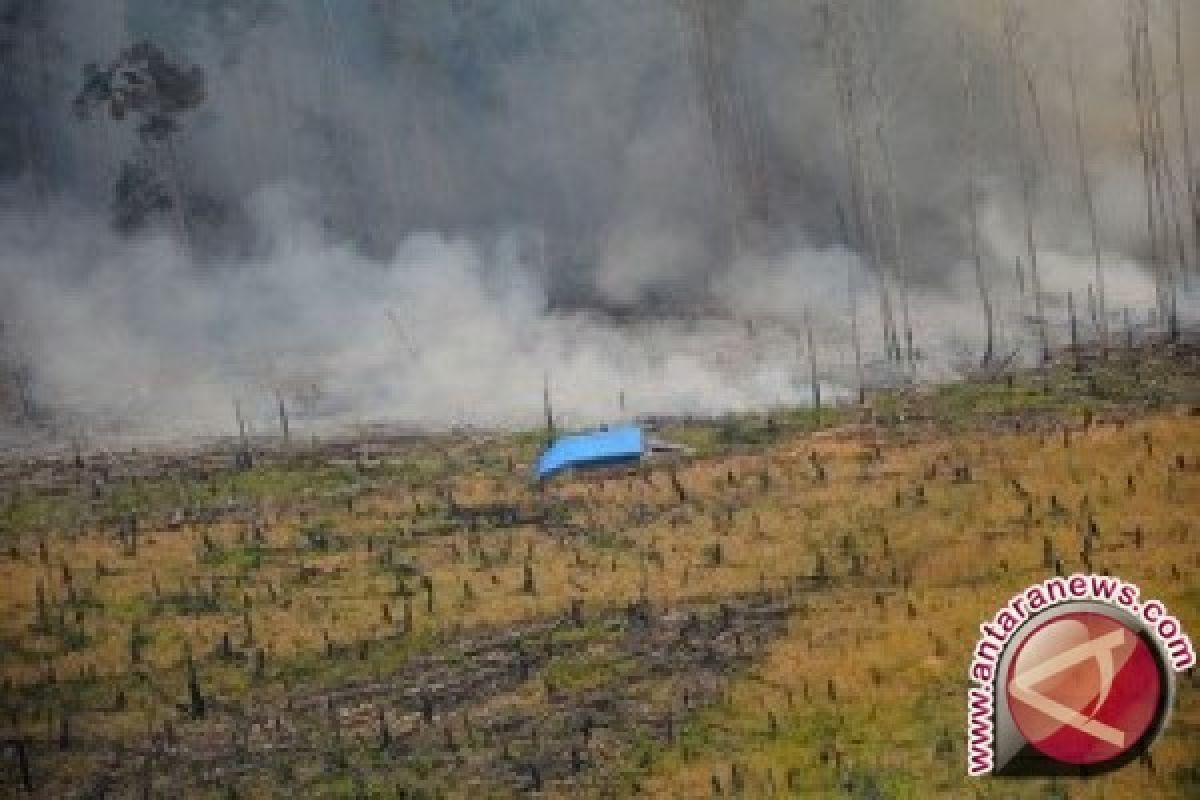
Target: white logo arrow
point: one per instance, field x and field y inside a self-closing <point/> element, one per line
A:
<point x="1099" y="649"/>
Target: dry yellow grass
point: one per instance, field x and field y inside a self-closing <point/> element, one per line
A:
<point x="889" y="511"/>
<point x="901" y="679"/>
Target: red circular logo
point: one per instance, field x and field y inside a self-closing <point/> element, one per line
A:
<point x="1084" y="688"/>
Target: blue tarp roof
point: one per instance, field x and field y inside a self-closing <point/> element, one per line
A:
<point x="610" y="446"/>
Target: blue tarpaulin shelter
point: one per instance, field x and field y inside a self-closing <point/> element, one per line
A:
<point x="608" y="447"/>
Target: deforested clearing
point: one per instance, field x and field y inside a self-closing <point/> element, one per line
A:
<point x="378" y="616"/>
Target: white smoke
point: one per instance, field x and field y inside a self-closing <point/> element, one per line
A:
<point x="490" y="172"/>
<point x="446" y="331"/>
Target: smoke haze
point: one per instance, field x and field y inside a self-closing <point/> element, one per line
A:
<point x="413" y="211"/>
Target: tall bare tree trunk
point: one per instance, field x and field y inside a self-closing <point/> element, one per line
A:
<point x="973" y="212"/>
<point x="547" y="407"/>
<point x="840" y="33"/>
<point x="1039" y="123"/>
<point x="1160" y="159"/>
<point x="885" y="302"/>
<point x="736" y="138"/>
<point x="1073" y="321"/>
<point x="898" y="243"/>
<point x="812" y="363"/>
<point x="1135" y="33"/>
<point x="284" y="428"/>
<point x="841" y="65"/>
<point x="1027" y="177"/>
<point x="1191" y="180"/>
<point x="887" y="314"/>
<point x="1085" y="183"/>
<point x="243" y="460"/>
<point x="1049" y="172"/>
<point x="855" y="342"/>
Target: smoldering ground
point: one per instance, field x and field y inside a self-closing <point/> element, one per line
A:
<point x="415" y="211"/>
<point x="447" y="331"/>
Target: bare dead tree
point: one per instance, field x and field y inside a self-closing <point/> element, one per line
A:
<point x="1074" y="324"/>
<point x="243" y="458"/>
<point x="1163" y="182"/>
<point x="840" y="62"/>
<point x="1134" y="28"/>
<point x="1085" y="184"/>
<point x="284" y="428"/>
<point x="1093" y="310"/>
<point x="852" y="31"/>
<point x="841" y="65"/>
<point x="855" y="341"/>
<point x="547" y="407"/>
<point x="841" y="33"/>
<point x="734" y="127"/>
<point x="1191" y="180"/>
<point x="1026" y="175"/>
<point x="897" y="243"/>
<point x="970" y="155"/>
<point x="812" y="363"/>
<point x="1039" y="124"/>
<point x="1161" y="207"/>
<point x="876" y="251"/>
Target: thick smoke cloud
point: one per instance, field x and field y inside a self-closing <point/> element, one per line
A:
<point x="413" y="211"/>
<point x="449" y="330"/>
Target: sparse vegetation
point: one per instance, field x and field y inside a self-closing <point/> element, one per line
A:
<point x="788" y="613"/>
